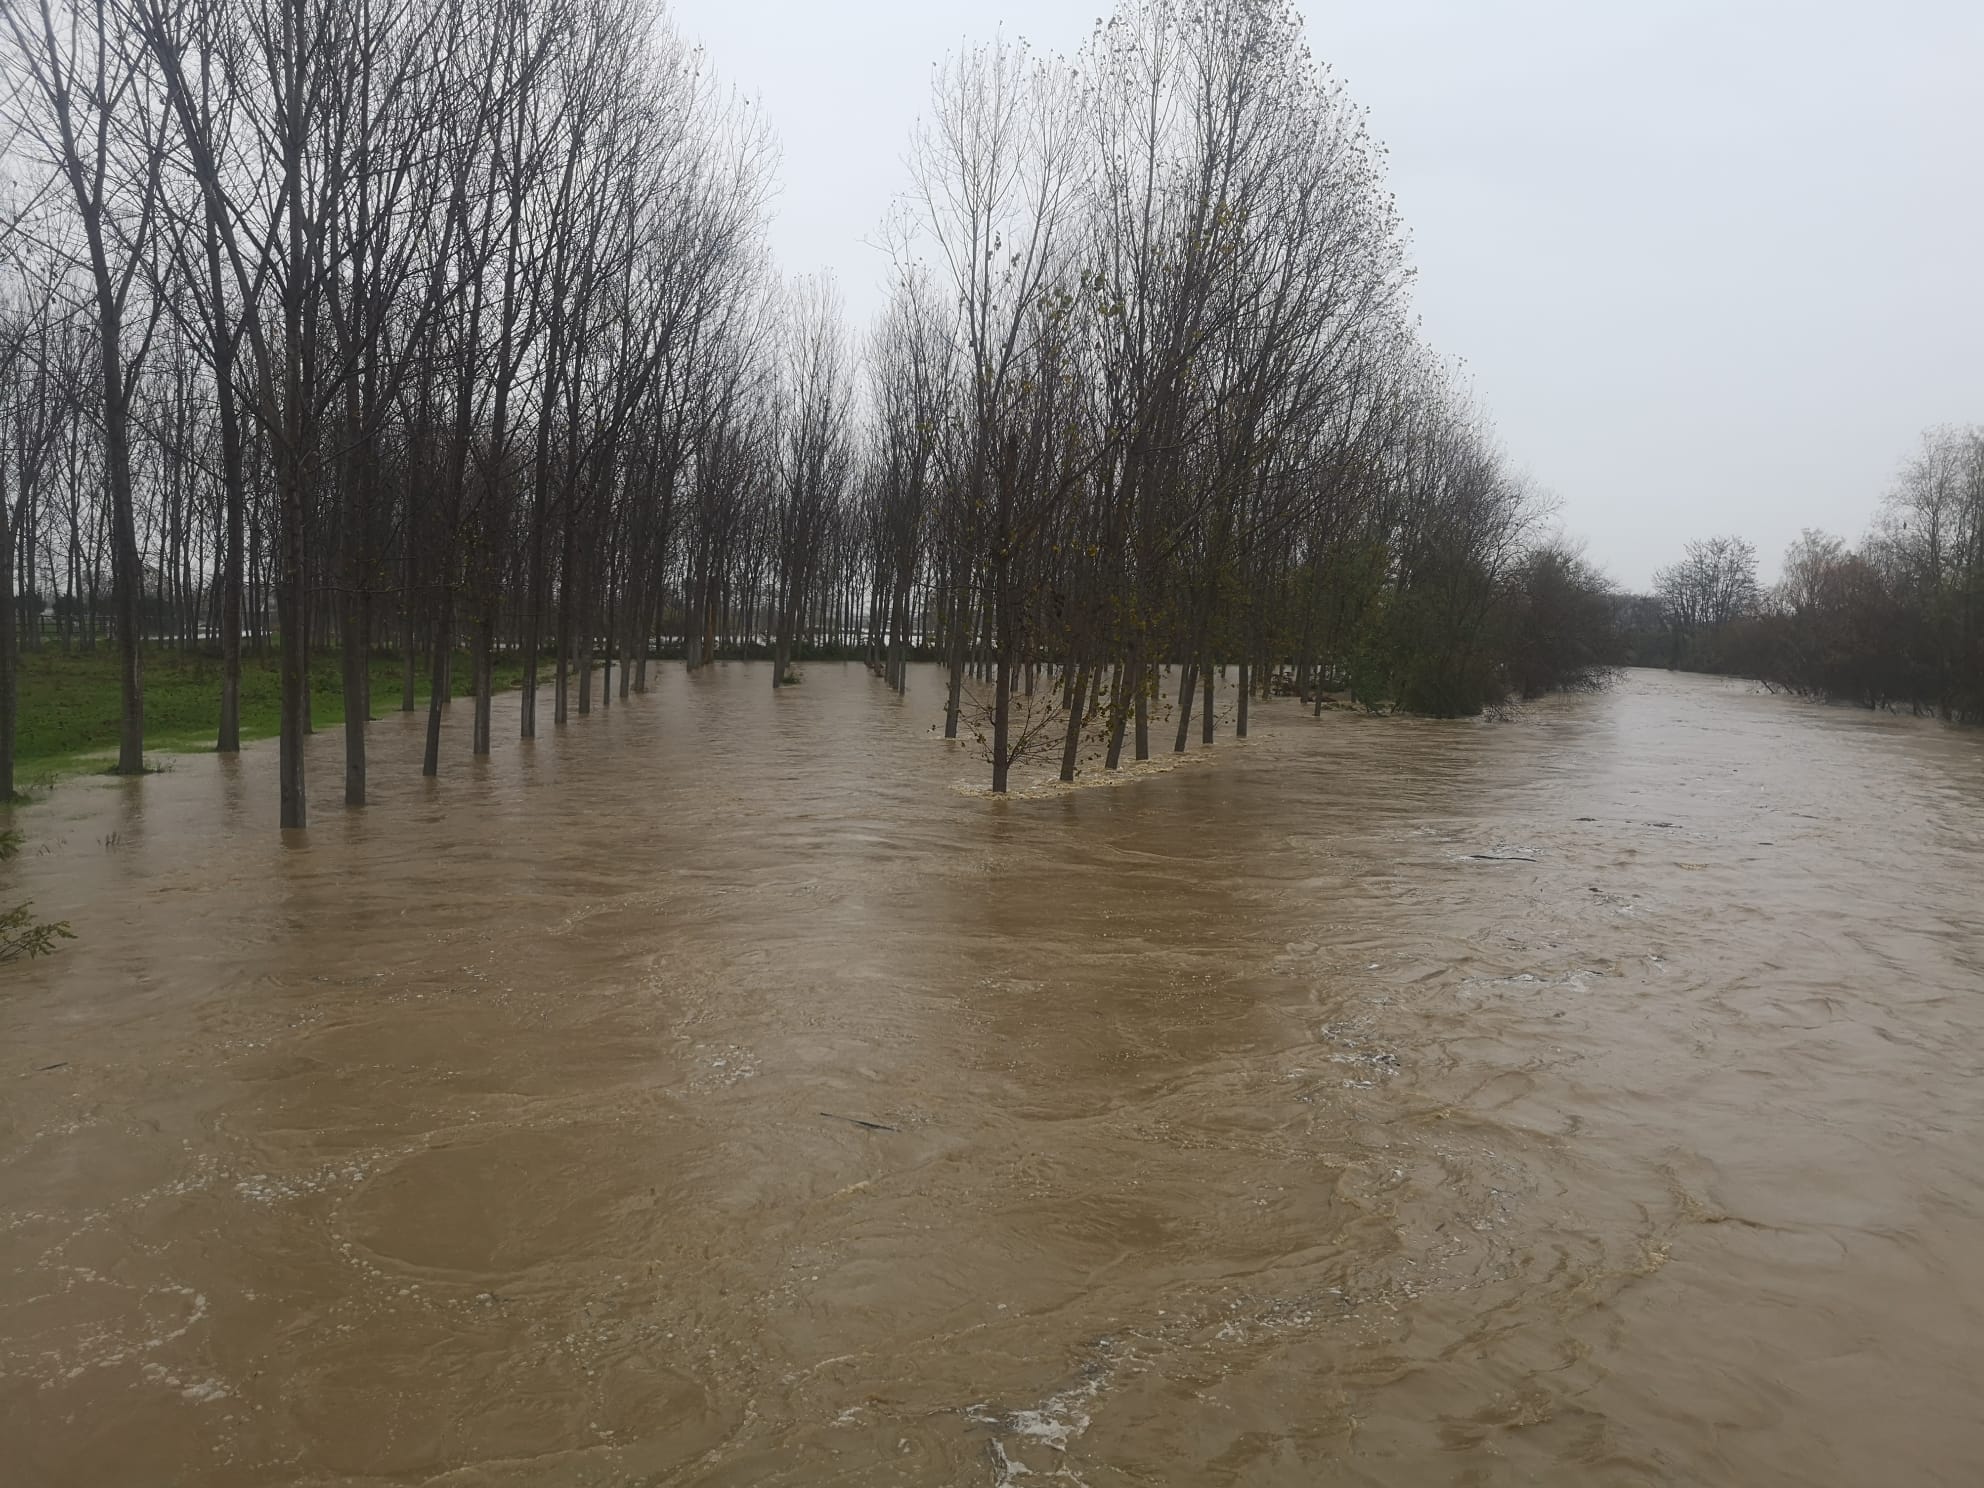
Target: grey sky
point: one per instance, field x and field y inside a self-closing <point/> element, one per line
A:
<point x="1713" y="265"/>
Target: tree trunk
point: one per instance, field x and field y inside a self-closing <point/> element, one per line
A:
<point x="353" y="639"/>
<point x="485" y="629"/>
<point x="561" y="679"/>
<point x="354" y="704"/>
<point x="9" y="658"/>
<point x="955" y="695"/>
<point x="695" y="638"/>
<point x="438" y="683"/>
<point x="533" y="624"/>
<point x="126" y="574"/>
<point x="1071" y="745"/>
<point x="229" y="741"/>
<point x="1140" y="681"/>
<point x="295" y="662"/>
<point x="1119" y="716"/>
<point x="1187" y="689"/>
<point x="1002" y="701"/>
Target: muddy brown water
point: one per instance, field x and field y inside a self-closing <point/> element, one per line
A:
<point x="1594" y="1098"/>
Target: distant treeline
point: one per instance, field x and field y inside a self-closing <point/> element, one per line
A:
<point x="1897" y="621"/>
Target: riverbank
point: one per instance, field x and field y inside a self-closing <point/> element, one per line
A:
<point x="70" y="703"/>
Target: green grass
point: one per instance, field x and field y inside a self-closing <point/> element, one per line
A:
<point x="69" y="704"/>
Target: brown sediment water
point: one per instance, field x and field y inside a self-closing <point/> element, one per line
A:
<point x="1590" y="1098"/>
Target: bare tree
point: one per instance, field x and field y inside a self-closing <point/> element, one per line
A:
<point x="813" y="439"/>
<point x="94" y="116"/>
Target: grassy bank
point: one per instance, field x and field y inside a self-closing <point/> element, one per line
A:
<point x="69" y="704"/>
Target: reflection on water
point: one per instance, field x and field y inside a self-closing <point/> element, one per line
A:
<point x="1271" y="1121"/>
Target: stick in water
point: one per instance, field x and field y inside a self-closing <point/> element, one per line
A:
<point x="857" y="1121"/>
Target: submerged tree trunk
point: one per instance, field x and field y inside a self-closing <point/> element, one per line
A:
<point x="533" y="623"/>
<point x="354" y="622"/>
<point x="354" y="704"/>
<point x="1002" y="708"/>
<point x="1141" y="683"/>
<point x="1003" y="626"/>
<point x="1187" y="688"/>
<point x="408" y="630"/>
<point x="438" y="683"/>
<point x="291" y="620"/>
<point x="1119" y="715"/>
<point x="561" y="678"/>
<point x="1071" y="745"/>
<point x="954" y="694"/>
<point x="485" y="629"/>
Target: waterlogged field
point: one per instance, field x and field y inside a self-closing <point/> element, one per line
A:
<point x="70" y="702"/>
<point x="722" y="1091"/>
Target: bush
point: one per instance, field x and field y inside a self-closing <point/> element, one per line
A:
<point x="22" y="937"/>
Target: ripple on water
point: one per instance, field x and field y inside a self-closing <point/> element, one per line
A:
<point x="495" y="1205"/>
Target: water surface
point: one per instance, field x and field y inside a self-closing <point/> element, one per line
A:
<point x="1593" y="1098"/>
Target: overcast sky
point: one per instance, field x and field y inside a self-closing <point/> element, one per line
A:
<point x="1714" y="266"/>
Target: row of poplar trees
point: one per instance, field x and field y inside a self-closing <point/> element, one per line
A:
<point x="429" y="325"/>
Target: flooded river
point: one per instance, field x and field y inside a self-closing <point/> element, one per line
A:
<point x="714" y="1093"/>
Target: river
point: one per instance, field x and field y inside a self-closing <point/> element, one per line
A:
<point x="1595" y="1097"/>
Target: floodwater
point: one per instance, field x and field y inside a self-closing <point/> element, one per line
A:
<point x="1591" y="1098"/>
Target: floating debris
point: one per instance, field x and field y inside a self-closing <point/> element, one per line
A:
<point x="857" y="1121"/>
